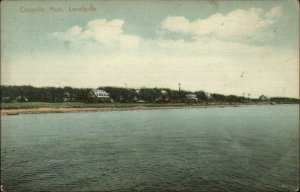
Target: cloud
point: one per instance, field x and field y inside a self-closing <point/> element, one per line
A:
<point x="218" y="34"/>
<point x="237" y="25"/>
<point x="230" y="31"/>
<point x="107" y="33"/>
<point x="274" y="12"/>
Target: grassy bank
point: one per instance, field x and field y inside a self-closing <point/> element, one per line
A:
<point x="33" y="105"/>
<point x="45" y="107"/>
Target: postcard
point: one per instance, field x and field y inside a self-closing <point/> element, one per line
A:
<point x="149" y="96"/>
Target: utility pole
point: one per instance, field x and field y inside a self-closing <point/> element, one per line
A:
<point x="179" y="86"/>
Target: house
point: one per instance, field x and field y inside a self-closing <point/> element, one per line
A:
<point x="21" y="99"/>
<point x="191" y="98"/>
<point x="163" y="96"/>
<point x="99" y="95"/>
<point x="263" y="98"/>
<point x="66" y="96"/>
<point x="208" y="95"/>
<point x="135" y="99"/>
<point x="137" y="91"/>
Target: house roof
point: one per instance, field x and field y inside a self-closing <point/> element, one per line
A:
<point x="100" y="93"/>
<point x="191" y="96"/>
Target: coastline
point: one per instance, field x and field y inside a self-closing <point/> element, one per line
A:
<point x="117" y="108"/>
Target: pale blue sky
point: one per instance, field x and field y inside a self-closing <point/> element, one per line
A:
<point x="154" y="44"/>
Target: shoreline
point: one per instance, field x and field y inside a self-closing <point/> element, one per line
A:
<point x="91" y="109"/>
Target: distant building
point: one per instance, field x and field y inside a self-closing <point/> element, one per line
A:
<point x="163" y="96"/>
<point x="135" y="99"/>
<point x="21" y="99"/>
<point x="163" y="92"/>
<point x="99" y="95"/>
<point x="192" y="98"/>
<point x="137" y="91"/>
<point x="208" y="95"/>
<point x="263" y="98"/>
<point x="66" y="96"/>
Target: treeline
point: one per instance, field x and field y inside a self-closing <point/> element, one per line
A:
<point x="284" y="100"/>
<point x="117" y="94"/>
<point x="43" y="94"/>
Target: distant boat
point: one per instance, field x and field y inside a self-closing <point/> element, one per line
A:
<point x="272" y="103"/>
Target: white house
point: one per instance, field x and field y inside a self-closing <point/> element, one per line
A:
<point x="99" y="95"/>
<point x="163" y="92"/>
<point x="191" y="98"/>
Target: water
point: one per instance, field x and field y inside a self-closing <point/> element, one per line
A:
<point x="250" y="148"/>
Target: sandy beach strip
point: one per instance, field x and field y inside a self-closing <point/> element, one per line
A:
<point x="43" y="110"/>
<point x="78" y="109"/>
<point x="38" y="110"/>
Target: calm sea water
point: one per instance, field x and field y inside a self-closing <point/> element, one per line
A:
<point x="250" y="148"/>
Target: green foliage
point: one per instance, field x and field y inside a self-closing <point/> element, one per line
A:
<point x="218" y="97"/>
<point x="233" y="98"/>
<point x="148" y="94"/>
<point x="201" y="95"/>
<point x="11" y="94"/>
<point x="120" y="94"/>
<point x="43" y="94"/>
<point x="284" y="100"/>
<point x="178" y="96"/>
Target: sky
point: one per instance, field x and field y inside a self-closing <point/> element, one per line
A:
<point x="227" y="47"/>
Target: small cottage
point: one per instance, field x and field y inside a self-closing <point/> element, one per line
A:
<point x="163" y="97"/>
<point x="191" y="98"/>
